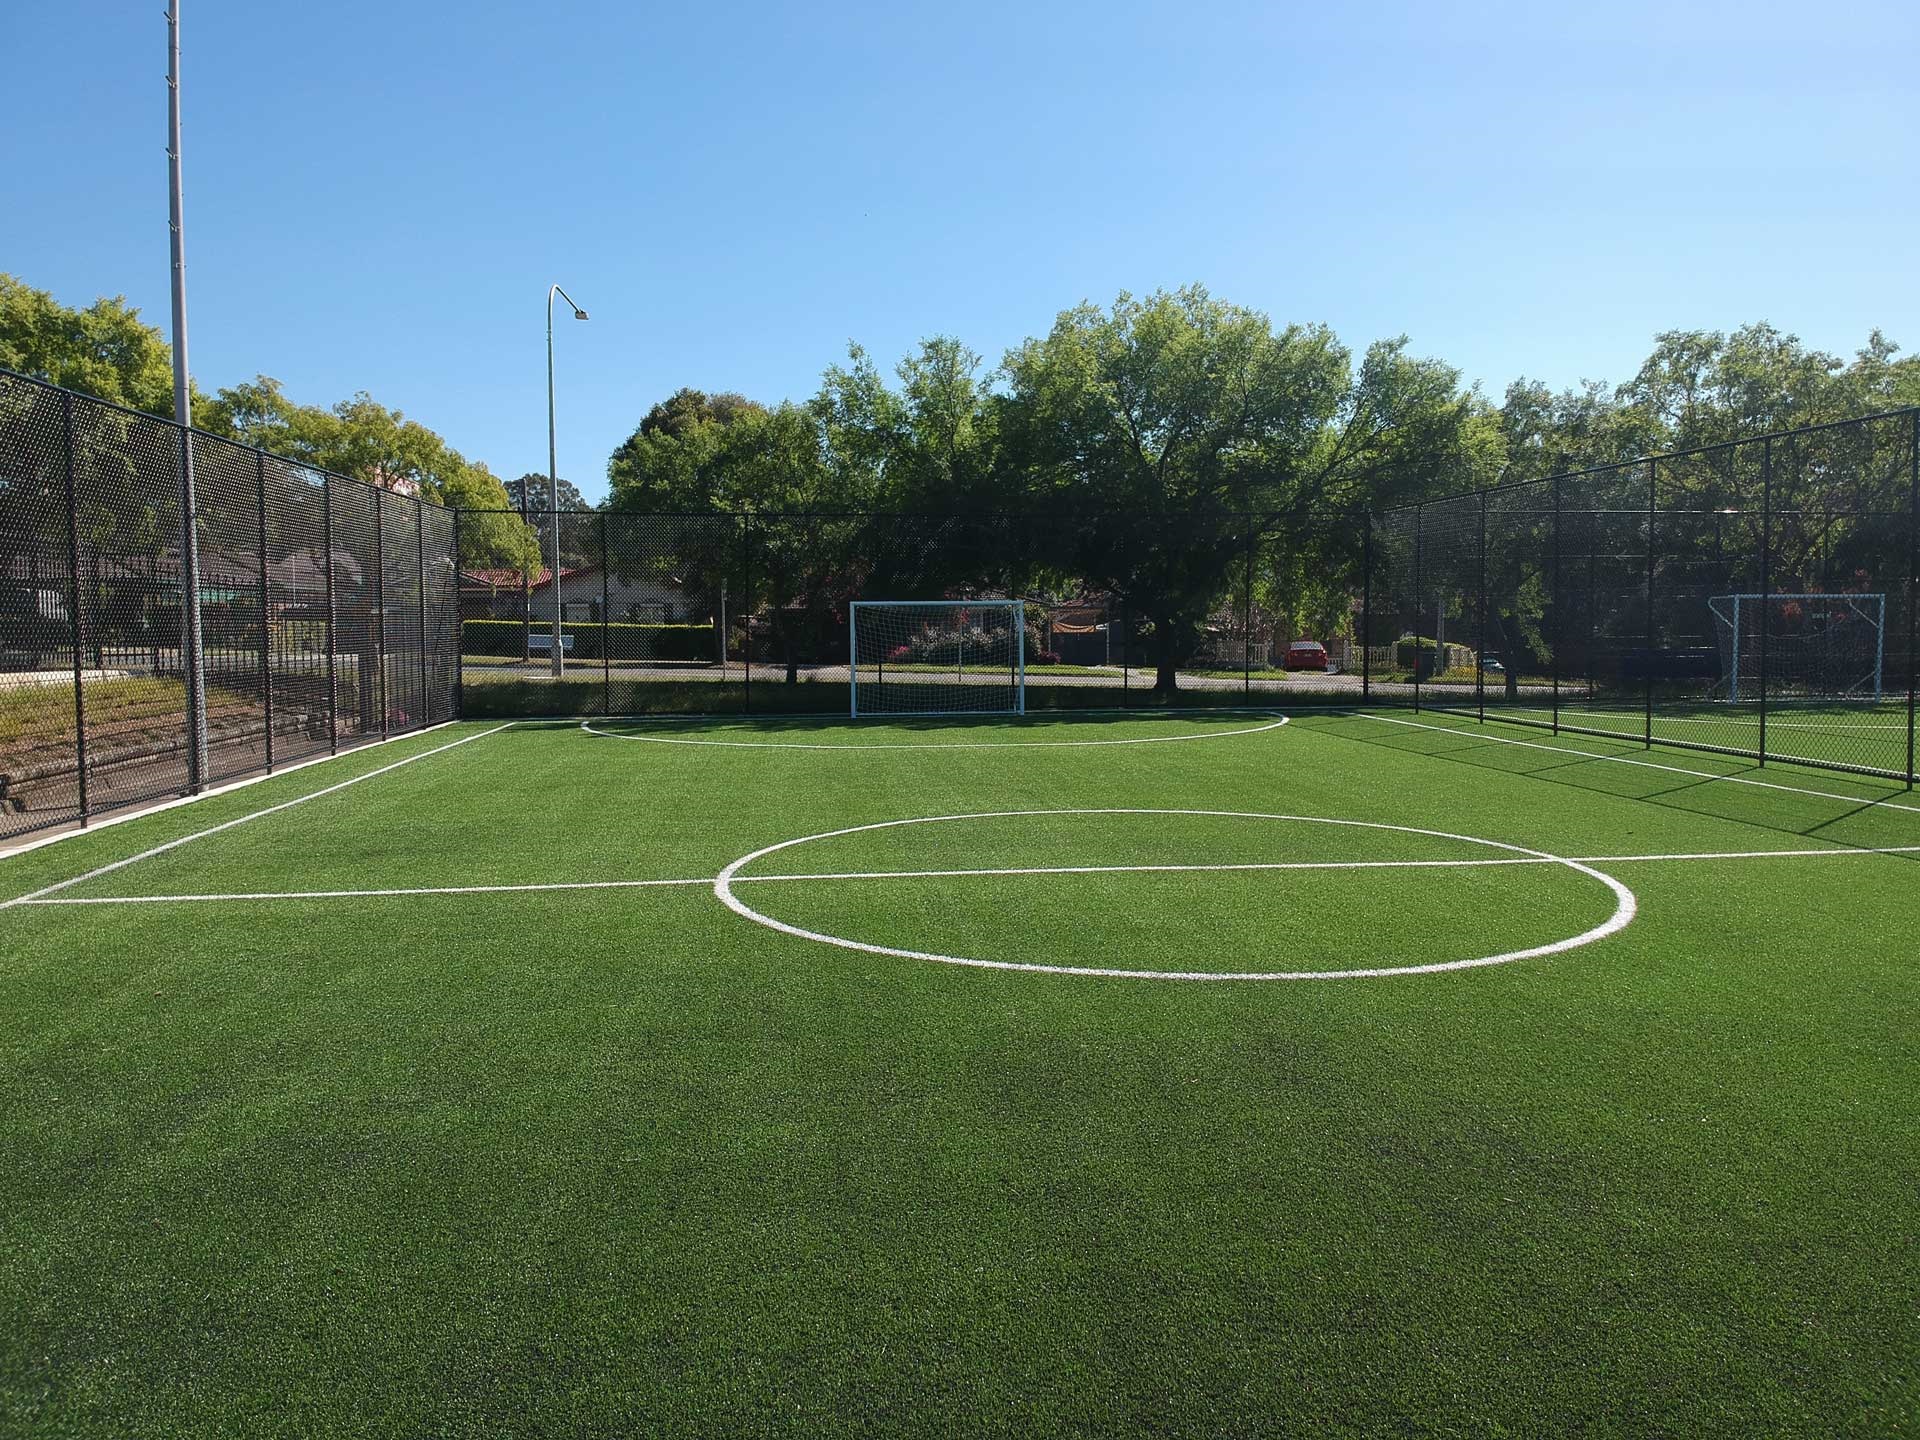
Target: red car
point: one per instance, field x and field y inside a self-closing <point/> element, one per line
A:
<point x="1306" y="655"/>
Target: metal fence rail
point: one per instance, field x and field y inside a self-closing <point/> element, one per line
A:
<point x="323" y="606"/>
<point x="1756" y="598"/>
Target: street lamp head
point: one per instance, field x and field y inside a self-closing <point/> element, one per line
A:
<point x="578" y="313"/>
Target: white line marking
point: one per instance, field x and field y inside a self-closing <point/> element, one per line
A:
<point x="1646" y="764"/>
<point x="537" y="887"/>
<point x="140" y="812"/>
<point x="588" y="726"/>
<point x="1624" y="908"/>
<point x="366" y="894"/>
<point x="108" y="869"/>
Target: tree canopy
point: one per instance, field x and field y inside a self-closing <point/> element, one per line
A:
<point x="108" y="351"/>
<point x="105" y="350"/>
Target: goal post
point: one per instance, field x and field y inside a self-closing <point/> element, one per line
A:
<point x="1825" y="646"/>
<point x="937" y="657"/>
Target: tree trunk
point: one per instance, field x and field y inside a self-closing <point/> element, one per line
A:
<point x="1512" y="643"/>
<point x="1166" y="678"/>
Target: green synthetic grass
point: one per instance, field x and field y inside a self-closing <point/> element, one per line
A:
<point x="620" y="1161"/>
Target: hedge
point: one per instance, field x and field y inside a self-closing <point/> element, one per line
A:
<point x="629" y="640"/>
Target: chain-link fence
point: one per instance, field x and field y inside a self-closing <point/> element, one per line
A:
<point x="310" y="611"/>
<point x="1755" y="598"/>
<point x="737" y="614"/>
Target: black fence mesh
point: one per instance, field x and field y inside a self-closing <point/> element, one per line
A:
<point x="97" y="661"/>
<point x="1755" y="598"/>
<point x="730" y="614"/>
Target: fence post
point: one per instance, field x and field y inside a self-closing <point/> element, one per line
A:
<point x="1766" y="580"/>
<point x="606" y="618"/>
<point x="1366" y="609"/>
<point x="1480" y="640"/>
<point x="74" y="616"/>
<point x="1126" y="628"/>
<point x="266" y="622"/>
<point x="379" y="604"/>
<point x="1559" y="609"/>
<point x="1913" y="584"/>
<point x="526" y="591"/>
<point x="1246" y="621"/>
<point x="333" y="682"/>
<point x="459" y="630"/>
<point x="191" y="663"/>
<point x="420" y="548"/>
<point x="1419" y="594"/>
<point x="746" y="614"/>
<point x="1653" y="491"/>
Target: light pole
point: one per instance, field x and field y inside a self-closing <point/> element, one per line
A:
<point x="191" y="666"/>
<point x="553" y="477"/>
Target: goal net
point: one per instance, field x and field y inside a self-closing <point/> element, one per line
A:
<point x="1811" y="647"/>
<point x="938" y="657"/>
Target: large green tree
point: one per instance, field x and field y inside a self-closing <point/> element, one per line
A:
<point x="1185" y="432"/>
<point x="105" y="350"/>
<point x="534" y="491"/>
<point x="364" y="439"/>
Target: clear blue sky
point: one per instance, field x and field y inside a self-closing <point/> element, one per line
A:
<point x="379" y="193"/>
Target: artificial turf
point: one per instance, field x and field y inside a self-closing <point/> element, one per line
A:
<point x="620" y="1161"/>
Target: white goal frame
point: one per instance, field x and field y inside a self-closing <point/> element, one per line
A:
<point x="1017" y="616"/>
<point x="1871" y="607"/>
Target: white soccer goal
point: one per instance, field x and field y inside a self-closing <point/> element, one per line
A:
<point x="938" y="657"/>
<point x="1814" y="647"/>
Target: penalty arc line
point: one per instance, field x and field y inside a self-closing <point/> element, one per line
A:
<point x="837" y="875"/>
<point x="37" y="896"/>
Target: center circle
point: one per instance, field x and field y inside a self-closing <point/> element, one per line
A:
<point x="1625" y="904"/>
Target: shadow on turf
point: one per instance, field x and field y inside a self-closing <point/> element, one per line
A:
<point x="1487" y="753"/>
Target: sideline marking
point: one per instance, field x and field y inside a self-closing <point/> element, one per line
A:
<point x="538" y="886"/>
<point x="1644" y="764"/>
<point x="1625" y="905"/>
<point x="587" y="725"/>
<point x="36" y="895"/>
<point x="140" y="812"/>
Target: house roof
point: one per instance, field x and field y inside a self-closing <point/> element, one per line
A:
<point x="509" y="578"/>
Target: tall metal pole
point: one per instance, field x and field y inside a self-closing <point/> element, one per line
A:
<point x="553" y="476"/>
<point x="190" y="659"/>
